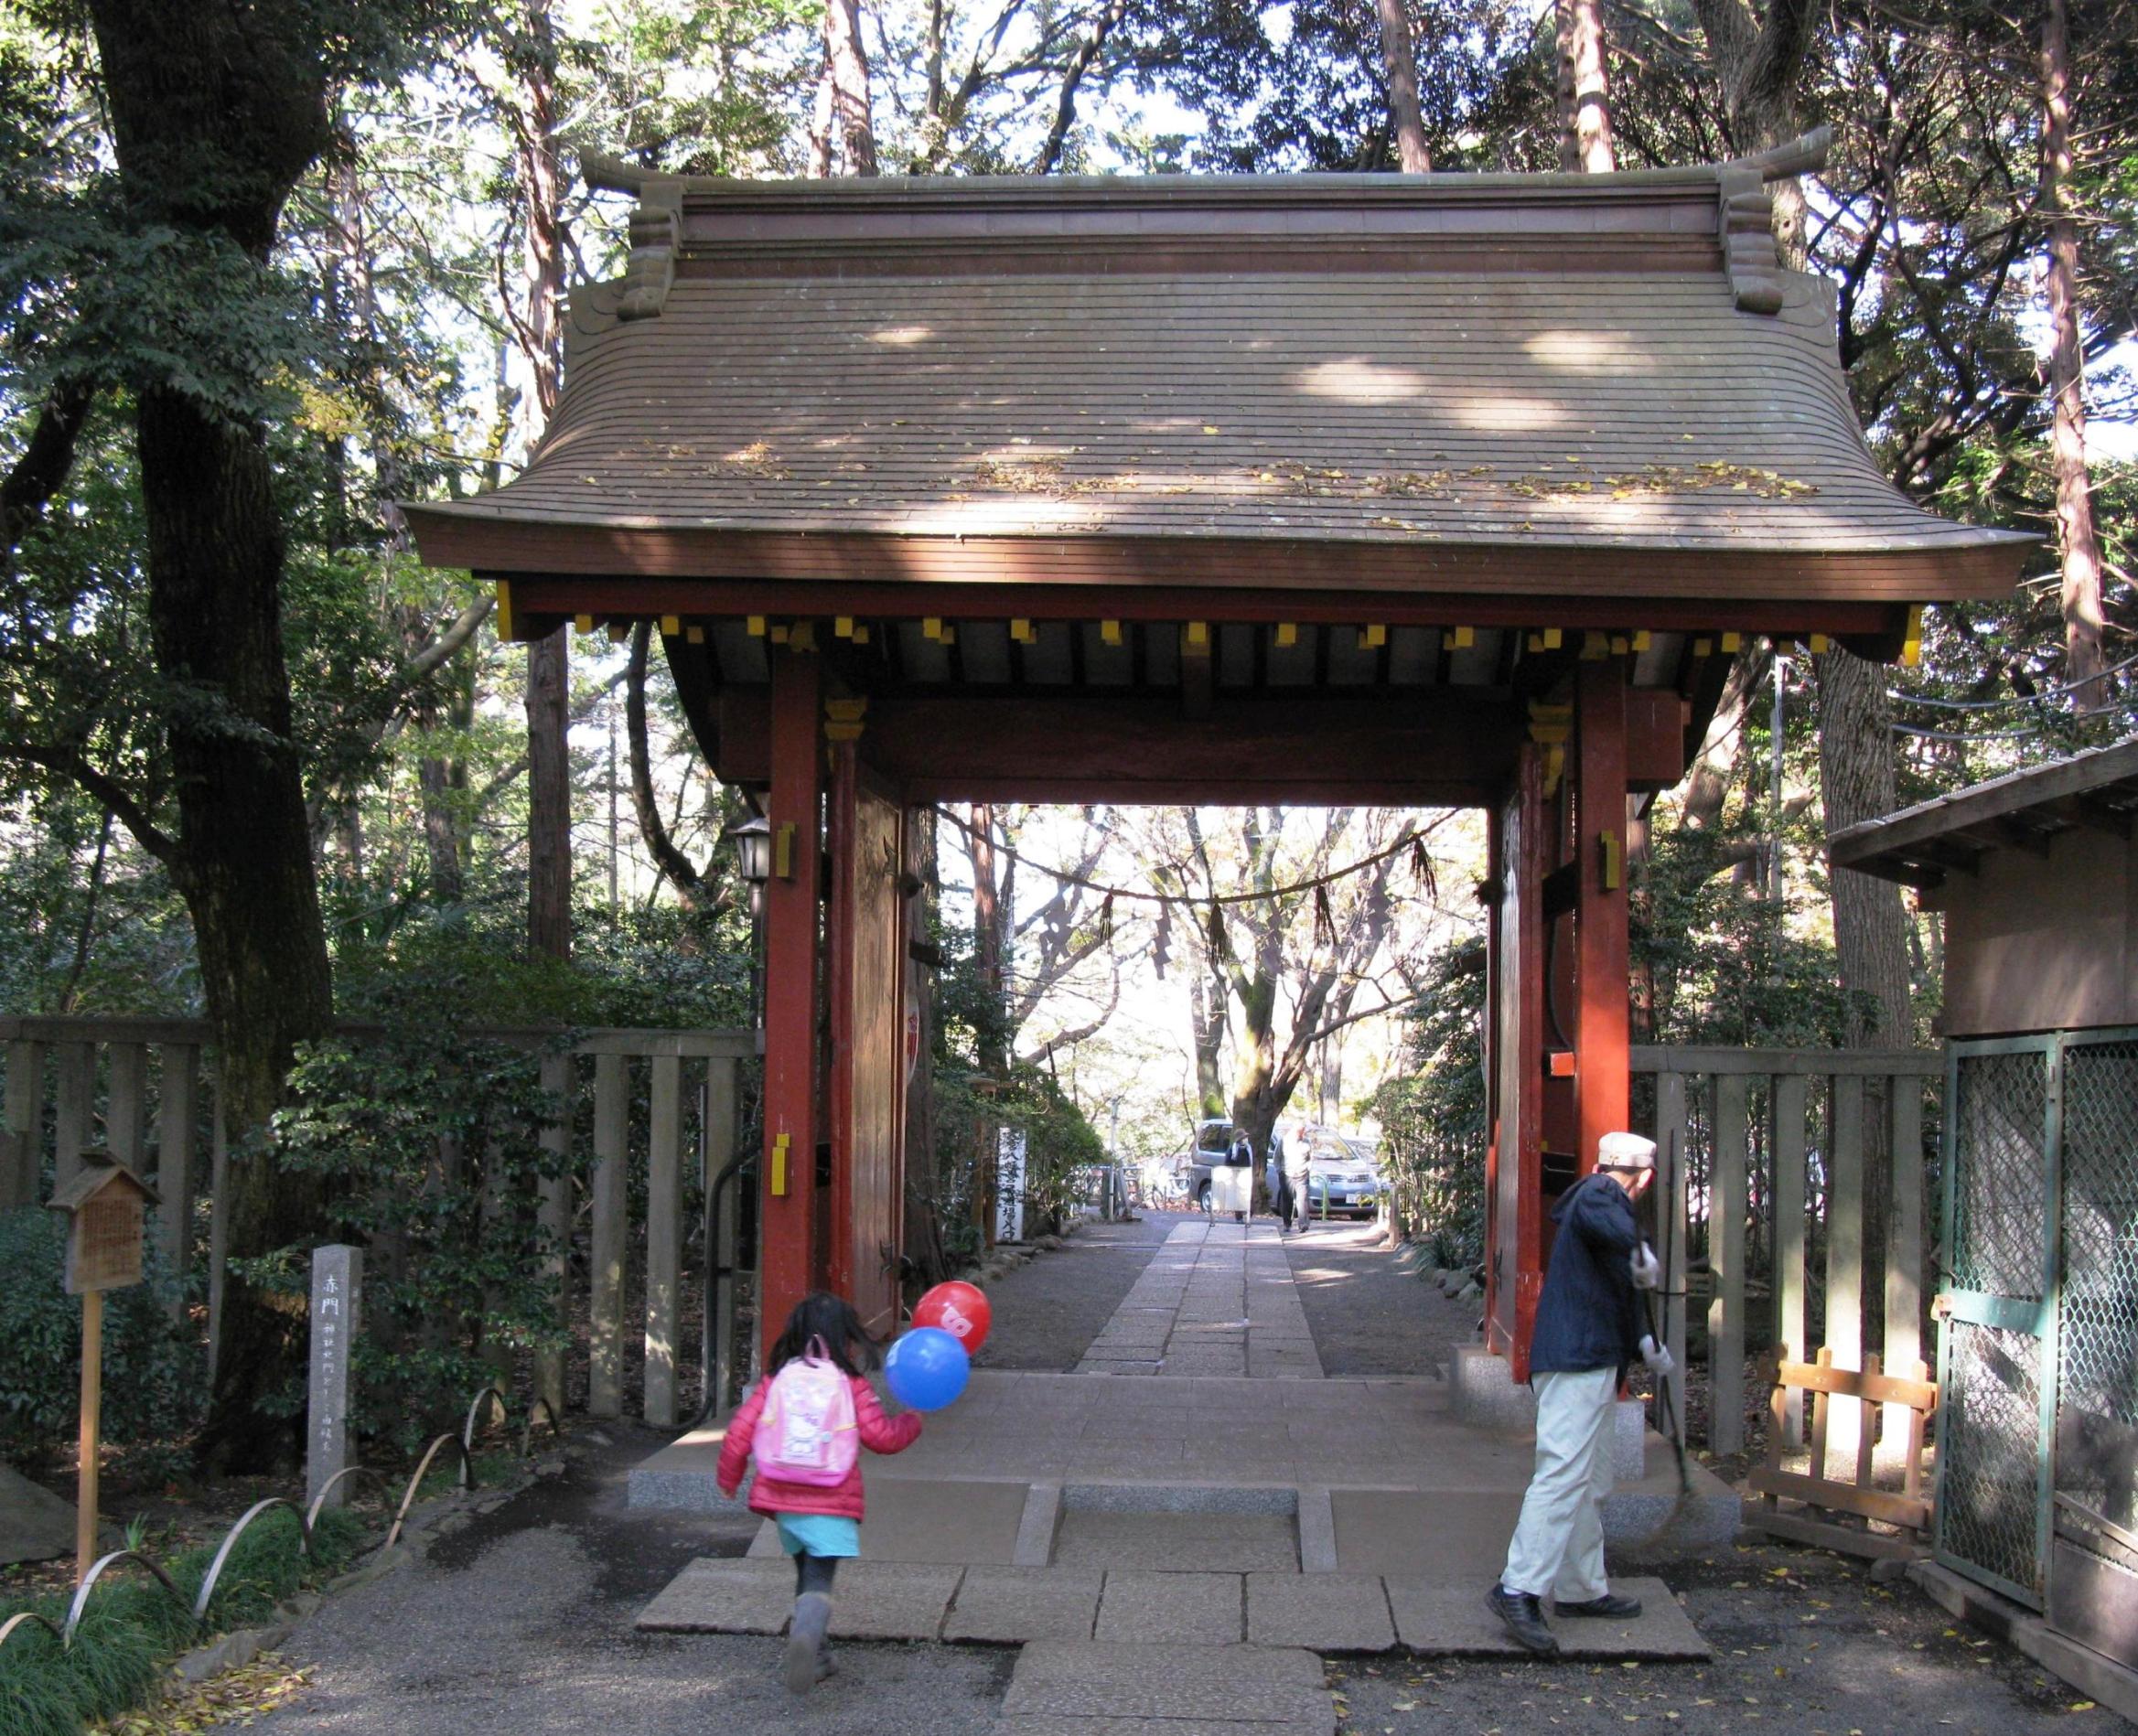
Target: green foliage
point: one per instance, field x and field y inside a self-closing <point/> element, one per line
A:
<point x="153" y="1375"/>
<point x="1434" y="1115"/>
<point x="132" y="1624"/>
<point x="430" y="1138"/>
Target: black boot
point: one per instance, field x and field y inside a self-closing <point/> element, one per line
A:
<point x="1524" y="1616"/>
<point x="1610" y="1605"/>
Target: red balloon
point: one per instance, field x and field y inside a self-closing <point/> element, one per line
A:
<point x="959" y="1310"/>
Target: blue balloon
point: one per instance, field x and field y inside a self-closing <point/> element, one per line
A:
<point x="927" y="1368"/>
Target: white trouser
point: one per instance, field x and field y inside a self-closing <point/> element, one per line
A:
<point x="1558" y="1544"/>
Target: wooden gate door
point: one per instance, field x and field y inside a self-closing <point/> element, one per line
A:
<point x="869" y="1111"/>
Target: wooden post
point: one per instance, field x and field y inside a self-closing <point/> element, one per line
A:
<point x="92" y="1407"/>
<point x="1603" y="1029"/>
<point x="1844" y="1261"/>
<point x="1671" y="1167"/>
<point x="555" y="1217"/>
<point x="1525" y="860"/>
<point x="1903" y="1348"/>
<point x="1790" y="1205"/>
<point x="788" y="1257"/>
<point x="26" y="1124"/>
<point x="127" y="1104"/>
<point x="179" y="1066"/>
<point x="1725" y="1259"/>
<point x="664" y="1186"/>
<point x="73" y="1104"/>
<point x="605" y="1371"/>
<point x="719" y="1123"/>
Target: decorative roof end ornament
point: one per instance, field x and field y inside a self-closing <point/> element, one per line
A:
<point x="1747" y="218"/>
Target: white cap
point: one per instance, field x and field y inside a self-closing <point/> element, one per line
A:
<point x="1625" y="1152"/>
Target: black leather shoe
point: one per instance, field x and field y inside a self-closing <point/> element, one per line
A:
<point x="1524" y="1616"/>
<point x="1610" y="1604"/>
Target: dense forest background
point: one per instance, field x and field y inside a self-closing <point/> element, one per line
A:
<point x="267" y="269"/>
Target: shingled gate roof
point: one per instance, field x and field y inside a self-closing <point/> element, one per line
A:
<point x="1598" y="385"/>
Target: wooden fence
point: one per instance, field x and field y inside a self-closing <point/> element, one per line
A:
<point x="1765" y="1157"/>
<point x="138" y="1087"/>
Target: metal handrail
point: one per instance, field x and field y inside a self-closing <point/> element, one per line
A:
<point x="89" y="1579"/>
<point x="222" y="1555"/>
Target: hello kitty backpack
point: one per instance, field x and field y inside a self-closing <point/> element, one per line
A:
<point x="807" y="1433"/>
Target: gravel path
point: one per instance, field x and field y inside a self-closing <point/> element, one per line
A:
<point x="1048" y="1310"/>
<point x="1368" y="1312"/>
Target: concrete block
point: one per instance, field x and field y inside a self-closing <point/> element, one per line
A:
<point x="1317" y="1529"/>
<point x="892" y="1600"/>
<point x="1015" y="1606"/>
<point x="1139" y="1608"/>
<point x="1434" y="1618"/>
<point x="723" y="1597"/>
<point x="1324" y="1611"/>
<point x="1484" y="1395"/>
<point x="1630" y="1440"/>
<point x="1265" y="1689"/>
<point x="1179" y="1542"/>
<point x="1037" y="1526"/>
<point x="1180" y="1498"/>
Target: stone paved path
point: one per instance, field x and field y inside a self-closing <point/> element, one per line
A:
<point x="1216" y="1300"/>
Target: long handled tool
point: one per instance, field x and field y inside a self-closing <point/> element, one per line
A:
<point x="1683" y="1511"/>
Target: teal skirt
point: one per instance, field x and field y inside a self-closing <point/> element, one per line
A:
<point x="820" y="1534"/>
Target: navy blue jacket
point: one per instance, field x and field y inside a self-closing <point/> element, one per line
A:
<point x="1587" y="1318"/>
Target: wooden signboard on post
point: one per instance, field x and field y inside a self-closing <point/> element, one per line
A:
<point x="106" y="1206"/>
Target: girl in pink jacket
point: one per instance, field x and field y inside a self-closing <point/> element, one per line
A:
<point x="818" y="1525"/>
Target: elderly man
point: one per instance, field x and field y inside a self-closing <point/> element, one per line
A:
<point x="1587" y="1333"/>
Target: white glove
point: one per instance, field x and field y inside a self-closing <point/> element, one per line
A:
<point x="1660" y="1361"/>
<point x="1648" y="1270"/>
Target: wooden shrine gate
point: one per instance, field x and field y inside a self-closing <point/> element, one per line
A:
<point x="1452" y="489"/>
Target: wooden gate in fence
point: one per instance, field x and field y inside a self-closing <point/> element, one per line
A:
<point x="1764" y="1156"/>
<point x="143" y="1089"/>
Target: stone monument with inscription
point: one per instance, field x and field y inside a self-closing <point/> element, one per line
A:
<point x="338" y="1276"/>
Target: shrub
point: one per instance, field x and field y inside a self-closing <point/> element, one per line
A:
<point x="432" y="1140"/>
<point x="151" y="1369"/>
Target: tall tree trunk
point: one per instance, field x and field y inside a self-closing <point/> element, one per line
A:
<point x="1400" y="62"/>
<point x="2075" y="544"/>
<point x="1585" y="90"/>
<point x="848" y="62"/>
<point x="1870" y="925"/>
<point x="990" y="951"/>
<point x="548" y="808"/>
<point x="434" y="782"/>
<point x="1208" y="996"/>
<point x="216" y="110"/>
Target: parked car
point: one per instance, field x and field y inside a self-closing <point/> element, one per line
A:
<point x="1343" y="1174"/>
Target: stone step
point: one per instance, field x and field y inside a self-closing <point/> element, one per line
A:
<point x="1081" y="1687"/>
<point x="1178" y="1542"/>
<point x="1134" y="1608"/>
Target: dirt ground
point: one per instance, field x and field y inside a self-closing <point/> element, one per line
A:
<point x="1369" y="1313"/>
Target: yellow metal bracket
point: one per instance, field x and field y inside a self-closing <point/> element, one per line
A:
<point x="1613" y="852"/>
<point x="783" y="851"/>
<point x="780" y="1143"/>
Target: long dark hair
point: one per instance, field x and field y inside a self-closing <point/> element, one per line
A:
<point x="821" y="1314"/>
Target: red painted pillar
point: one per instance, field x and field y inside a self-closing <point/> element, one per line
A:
<point x="788" y="1257"/>
<point x="1516" y="1254"/>
<point x="1603" y="1017"/>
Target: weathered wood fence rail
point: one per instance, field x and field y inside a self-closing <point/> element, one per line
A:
<point x="145" y="1090"/>
<point x="1766" y="1168"/>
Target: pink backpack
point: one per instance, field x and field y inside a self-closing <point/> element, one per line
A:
<point x="807" y="1432"/>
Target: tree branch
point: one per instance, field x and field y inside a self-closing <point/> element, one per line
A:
<point x="67" y="763"/>
<point x="47" y="456"/>
<point x="679" y="867"/>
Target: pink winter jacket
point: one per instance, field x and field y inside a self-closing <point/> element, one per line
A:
<point x="769" y="1495"/>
